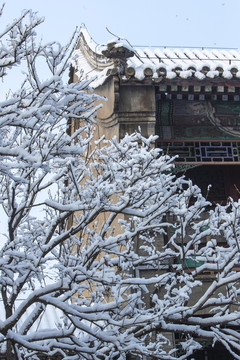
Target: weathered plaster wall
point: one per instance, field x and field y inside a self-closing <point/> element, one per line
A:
<point x="107" y="118"/>
<point x="137" y="109"/>
<point x="128" y="107"/>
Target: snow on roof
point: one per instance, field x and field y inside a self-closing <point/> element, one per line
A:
<point x="90" y="62"/>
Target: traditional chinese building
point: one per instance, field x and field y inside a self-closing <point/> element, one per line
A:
<point x="190" y="98"/>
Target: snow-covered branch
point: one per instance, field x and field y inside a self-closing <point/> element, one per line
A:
<point x="100" y="233"/>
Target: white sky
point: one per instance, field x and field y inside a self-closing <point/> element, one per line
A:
<point x="202" y="23"/>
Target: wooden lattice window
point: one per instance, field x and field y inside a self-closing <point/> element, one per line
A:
<point x="204" y="151"/>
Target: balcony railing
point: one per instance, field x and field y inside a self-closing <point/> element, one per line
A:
<point x="202" y="151"/>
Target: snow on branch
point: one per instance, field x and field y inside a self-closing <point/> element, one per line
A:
<point x="94" y="261"/>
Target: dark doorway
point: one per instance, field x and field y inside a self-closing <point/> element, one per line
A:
<point x="224" y="180"/>
<point x="209" y="353"/>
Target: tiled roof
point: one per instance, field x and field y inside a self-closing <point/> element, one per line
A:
<point x="156" y="63"/>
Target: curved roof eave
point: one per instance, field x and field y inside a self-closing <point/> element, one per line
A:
<point x="168" y="63"/>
